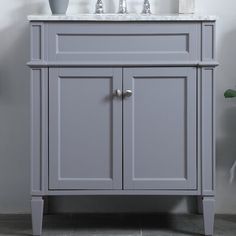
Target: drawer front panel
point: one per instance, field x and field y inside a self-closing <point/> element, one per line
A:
<point x="103" y="43"/>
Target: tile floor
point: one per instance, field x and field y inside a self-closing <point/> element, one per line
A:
<point x="117" y="224"/>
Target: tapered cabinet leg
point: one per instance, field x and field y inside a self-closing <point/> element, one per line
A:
<point x="208" y="214"/>
<point x="37" y="215"/>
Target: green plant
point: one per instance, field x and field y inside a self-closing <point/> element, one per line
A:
<point x="230" y="93"/>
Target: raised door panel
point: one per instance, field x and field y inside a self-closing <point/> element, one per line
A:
<point x="160" y="129"/>
<point x="85" y="133"/>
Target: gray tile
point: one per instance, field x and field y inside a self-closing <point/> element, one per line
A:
<point x="174" y="225"/>
<point x="156" y="232"/>
<point x="107" y="232"/>
<point x="89" y="225"/>
<point x="168" y="232"/>
<point x="117" y="224"/>
<point x="12" y="225"/>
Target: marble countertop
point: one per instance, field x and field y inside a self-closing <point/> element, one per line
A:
<point x="122" y="17"/>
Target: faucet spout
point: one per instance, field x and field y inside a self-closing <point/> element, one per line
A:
<point x="123" y="7"/>
<point x="146" y="7"/>
<point x="99" y="7"/>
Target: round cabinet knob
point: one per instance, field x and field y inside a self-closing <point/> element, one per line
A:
<point x="118" y="93"/>
<point x="128" y="93"/>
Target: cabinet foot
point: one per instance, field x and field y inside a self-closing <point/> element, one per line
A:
<point x="37" y="215"/>
<point x="208" y="214"/>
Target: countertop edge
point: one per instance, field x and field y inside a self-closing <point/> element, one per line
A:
<point x="122" y="17"/>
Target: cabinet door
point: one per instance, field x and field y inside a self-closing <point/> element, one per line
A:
<point x="85" y="128"/>
<point x="160" y="128"/>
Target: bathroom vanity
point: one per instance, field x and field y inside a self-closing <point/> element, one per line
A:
<point x="122" y="105"/>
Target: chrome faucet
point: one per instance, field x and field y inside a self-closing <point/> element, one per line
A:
<point x="123" y="7"/>
<point x="146" y="7"/>
<point x="99" y="7"/>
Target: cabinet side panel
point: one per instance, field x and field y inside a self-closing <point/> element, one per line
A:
<point x="44" y="128"/>
<point x="207" y="129"/>
<point x="208" y="41"/>
<point x="38" y="130"/>
<point x="36" y="41"/>
<point x="36" y="184"/>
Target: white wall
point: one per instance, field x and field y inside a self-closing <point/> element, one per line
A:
<point x="14" y="109"/>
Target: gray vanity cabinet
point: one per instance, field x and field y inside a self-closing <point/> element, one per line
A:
<point x="160" y="128"/>
<point x="85" y="128"/>
<point x="122" y="105"/>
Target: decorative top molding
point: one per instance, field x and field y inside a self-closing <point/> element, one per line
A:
<point x="122" y="17"/>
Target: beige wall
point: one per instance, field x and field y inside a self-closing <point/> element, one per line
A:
<point x="14" y="109"/>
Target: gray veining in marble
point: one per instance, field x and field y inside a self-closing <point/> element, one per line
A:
<point x="117" y="225"/>
<point x="122" y="17"/>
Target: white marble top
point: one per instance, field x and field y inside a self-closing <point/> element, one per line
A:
<point x="122" y="17"/>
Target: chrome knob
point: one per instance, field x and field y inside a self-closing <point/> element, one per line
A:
<point x="118" y="93"/>
<point x="128" y="93"/>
